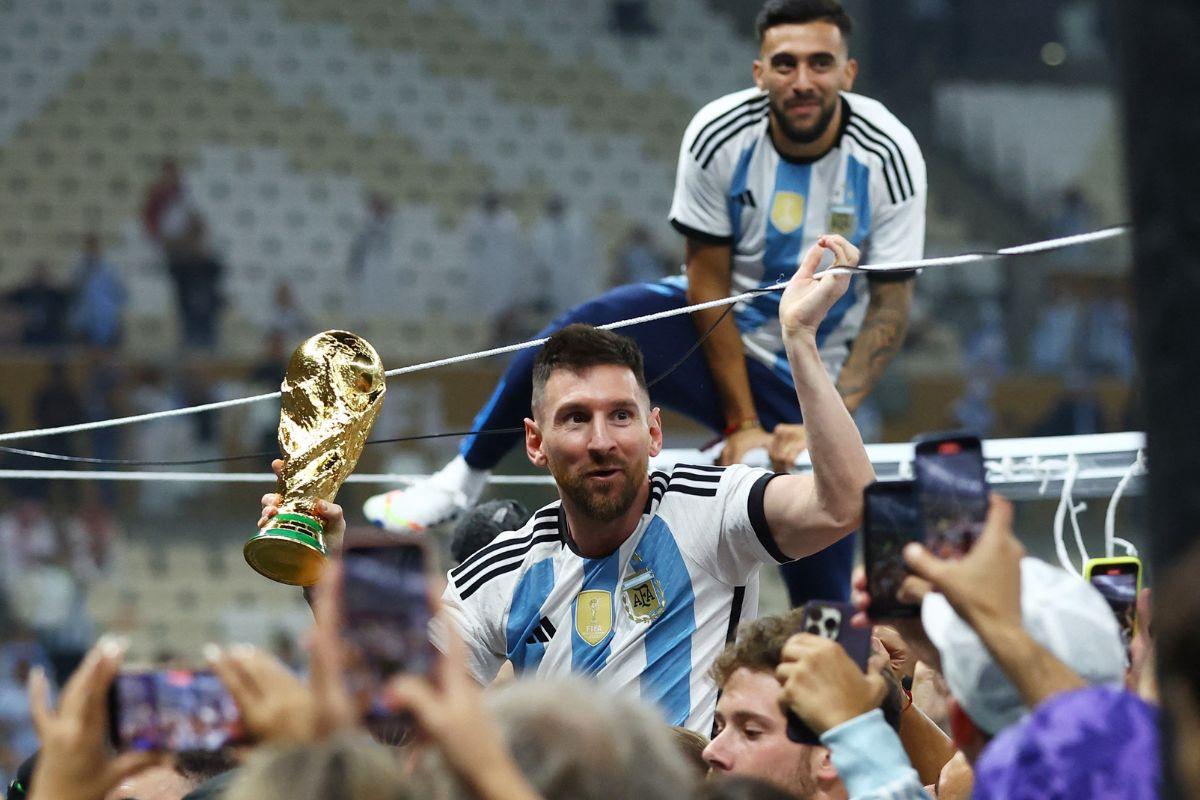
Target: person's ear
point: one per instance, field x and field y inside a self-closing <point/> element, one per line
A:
<point x="533" y="443"/>
<point x="656" y="432"/>
<point x="758" y="74"/>
<point x="824" y="769"/>
<point x="850" y="73"/>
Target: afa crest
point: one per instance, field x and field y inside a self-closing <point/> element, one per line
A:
<point x="643" y="597"/>
<point x="787" y="211"/>
<point x="593" y="615"/>
<point x="842" y="220"/>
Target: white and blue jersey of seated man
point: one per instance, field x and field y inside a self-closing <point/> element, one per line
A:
<point x="648" y="618"/>
<point x="733" y="187"/>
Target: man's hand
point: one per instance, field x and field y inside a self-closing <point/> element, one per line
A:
<point x="910" y="629"/>
<point x="787" y="443"/>
<point x="984" y="587"/>
<point x="823" y="685"/>
<point x="900" y="660"/>
<point x="738" y="443"/>
<point x="275" y="705"/>
<point x="450" y="712"/>
<point x="329" y="513"/>
<point x="76" y="761"/>
<point x="807" y="299"/>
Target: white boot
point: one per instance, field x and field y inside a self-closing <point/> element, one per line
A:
<point x="438" y="499"/>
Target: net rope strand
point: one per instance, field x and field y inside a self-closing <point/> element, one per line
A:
<point x="967" y="258"/>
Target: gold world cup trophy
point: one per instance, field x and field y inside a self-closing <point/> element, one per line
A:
<point x="332" y="392"/>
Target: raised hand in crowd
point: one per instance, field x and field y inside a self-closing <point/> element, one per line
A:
<point x="76" y="761"/>
<point x="276" y="706"/>
<point x="823" y="685"/>
<point x="1140" y="678"/>
<point x="330" y="513"/>
<point x="449" y="712"/>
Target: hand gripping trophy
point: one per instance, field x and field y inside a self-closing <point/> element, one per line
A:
<point x="332" y="392"/>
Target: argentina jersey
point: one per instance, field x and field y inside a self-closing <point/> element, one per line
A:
<point x="733" y="187"/>
<point x="650" y="618"/>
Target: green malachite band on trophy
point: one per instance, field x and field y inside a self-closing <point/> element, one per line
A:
<point x="300" y="519"/>
<point x="295" y="536"/>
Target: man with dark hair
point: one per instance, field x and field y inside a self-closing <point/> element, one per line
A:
<point x="762" y="173"/>
<point x="639" y="579"/>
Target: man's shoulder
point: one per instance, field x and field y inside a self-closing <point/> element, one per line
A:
<point x="879" y="134"/>
<point x="507" y="556"/>
<point x="867" y="111"/>
<point x="675" y="489"/>
<point x="719" y="122"/>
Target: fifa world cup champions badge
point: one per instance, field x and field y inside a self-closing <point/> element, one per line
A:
<point x="331" y="395"/>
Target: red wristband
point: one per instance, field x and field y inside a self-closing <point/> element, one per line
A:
<point x="744" y="425"/>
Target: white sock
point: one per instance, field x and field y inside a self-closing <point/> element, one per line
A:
<point x="459" y="476"/>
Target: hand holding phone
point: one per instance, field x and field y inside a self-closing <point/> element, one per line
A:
<point x="387" y="611"/>
<point x="830" y="619"/>
<point x="1119" y="580"/>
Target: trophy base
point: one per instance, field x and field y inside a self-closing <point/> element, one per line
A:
<point x="291" y="550"/>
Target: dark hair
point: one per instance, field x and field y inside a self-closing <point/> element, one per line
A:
<point x="759" y="647"/>
<point x="798" y="12"/>
<point x="578" y="347"/>
<point x="202" y="765"/>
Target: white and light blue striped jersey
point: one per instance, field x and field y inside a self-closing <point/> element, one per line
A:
<point x="649" y="618"/>
<point x="733" y="187"/>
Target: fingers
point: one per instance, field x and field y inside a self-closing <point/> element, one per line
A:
<point x="230" y="667"/>
<point x="330" y="513"/>
<point x="127" y="764"/>
<point x="844" y="253"/>
<point x="913" y="589"/>
<point x="414" y="695"/>
<point x="923" y="563"/>
<point x="812" y="260"/>
<point x="277" y="467"/>
<point x="95" y="702"/>
<point x="39" y="706"/>
<point x="270" y="503"/>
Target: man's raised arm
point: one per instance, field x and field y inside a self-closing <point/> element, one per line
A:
<point x="807" y="513"/>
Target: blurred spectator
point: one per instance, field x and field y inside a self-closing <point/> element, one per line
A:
<point x="1077" y="412"/>
<point x="176" y="778"/>
<point x="1055" y="343"/>
<point x="987" y="345"/>
<point x="42" y="308"/>
<point x="99" y="297"/>
<point x="493" y="240"/>
<point x="1177" y="643"/>
<point x="1109" y="340"/>
<point x="91" y="533"/>
<point x="167" y="208"/>
<point x="638" y="260"/>
<point x="371" y="265"/>
<point x="103" y="398"/>
<point x="56" y="403"/>
<point x="18" y="739"/>
<point x="565" y="266"/>
<point x="285" y="318"/>
<point x="161" y="440"/>
<point x="28" y="537"/>
<point x="196" y="272"/>
<point x="1075" y="214"/>
<point x="632" y="18"/>
<point x="973" y="410"/>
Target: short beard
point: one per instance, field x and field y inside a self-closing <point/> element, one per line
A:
<point x="798" y="136"/>
<point x="601" y="507"/>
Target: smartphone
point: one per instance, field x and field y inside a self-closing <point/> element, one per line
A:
<point x="387" y="611"/>
<point x="1119" y="580"/>
<point x="891" y="519"/>
<point x="952" y="492"/>
<point x="830" y="619"/>
<point x="172" y="710"/>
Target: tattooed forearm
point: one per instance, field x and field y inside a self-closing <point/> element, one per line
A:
<point x="878" y="341"/>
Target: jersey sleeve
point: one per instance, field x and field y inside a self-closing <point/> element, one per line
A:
<point x="898" y="230"/>
<point x="485" y="647"/>
<point x="699" y="209"/>
<point x="729" y="536"/>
